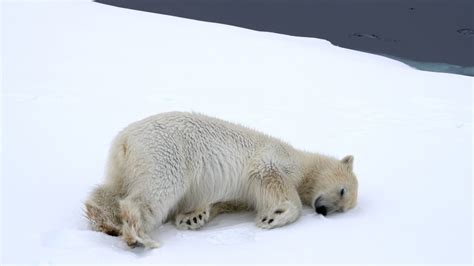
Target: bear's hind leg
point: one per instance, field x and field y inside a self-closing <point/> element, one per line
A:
<point x="138" y="220"/>
<point x="147" y="206"/>
<point x="193" y="220"/>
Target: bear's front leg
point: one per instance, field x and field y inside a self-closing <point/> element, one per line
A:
<point x="277" y="201"/>
<point x="279" y="215"/>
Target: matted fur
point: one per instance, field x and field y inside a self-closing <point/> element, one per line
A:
<point x="190" y="167"/>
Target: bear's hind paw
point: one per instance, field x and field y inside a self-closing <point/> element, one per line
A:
<point x="193" y="220"/>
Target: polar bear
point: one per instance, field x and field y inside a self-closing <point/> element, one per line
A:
<point x="189" y="167"/>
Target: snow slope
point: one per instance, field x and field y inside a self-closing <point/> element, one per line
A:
<point x="74" y="73"/>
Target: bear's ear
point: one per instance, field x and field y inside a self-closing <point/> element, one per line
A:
<point x="348" y="161"/>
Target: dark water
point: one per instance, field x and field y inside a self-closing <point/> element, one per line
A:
<point x="434" y="35"/>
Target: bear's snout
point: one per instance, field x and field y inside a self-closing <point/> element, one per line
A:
<point x="322" y="210"/>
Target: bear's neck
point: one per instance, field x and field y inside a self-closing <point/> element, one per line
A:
<point x="314" y="163"/>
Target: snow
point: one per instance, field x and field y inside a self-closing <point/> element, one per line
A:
<point x="76" y="72"/>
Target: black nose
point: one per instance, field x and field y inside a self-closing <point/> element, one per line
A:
<point x="322" y="210"/>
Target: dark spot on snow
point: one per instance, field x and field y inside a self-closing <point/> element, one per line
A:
<point x="195" y="220"/>
<point x="264" y="219"/>
<point x="188" y="222"/>
<point x="270" y="221"/>
<point x="200" y="217"/>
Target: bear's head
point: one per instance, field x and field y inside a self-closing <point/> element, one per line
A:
<point x="332" y="187"/>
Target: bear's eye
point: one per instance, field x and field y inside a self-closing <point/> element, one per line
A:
<point x="342" y="192"/>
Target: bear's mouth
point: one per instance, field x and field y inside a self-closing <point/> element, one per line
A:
<point x="317" y="201"/>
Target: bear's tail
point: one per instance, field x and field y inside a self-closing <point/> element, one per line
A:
<point x="102" y="210"/>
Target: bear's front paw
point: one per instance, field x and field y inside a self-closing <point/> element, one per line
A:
<point x="278" y="217"/>
<point x="192" y="220"/>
